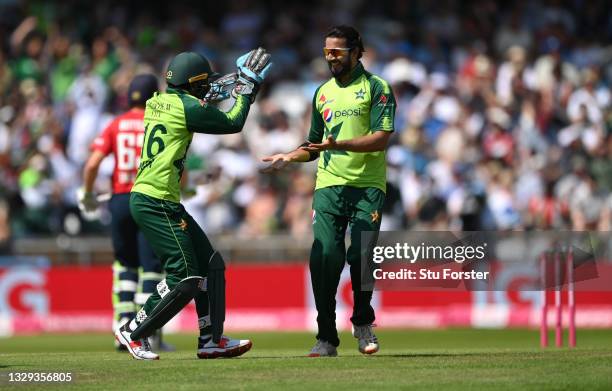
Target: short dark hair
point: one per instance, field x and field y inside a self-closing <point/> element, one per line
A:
<point x="353" y="39"/>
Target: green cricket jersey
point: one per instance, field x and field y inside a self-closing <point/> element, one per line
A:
<point x="363" y="106"/>
<point x="170" y="120"/>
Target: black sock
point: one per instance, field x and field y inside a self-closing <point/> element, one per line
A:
<point x="206" y="333"/>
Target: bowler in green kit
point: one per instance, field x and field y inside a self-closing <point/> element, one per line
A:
<point x="194" y="269"/>
<point x="352" y="119"/>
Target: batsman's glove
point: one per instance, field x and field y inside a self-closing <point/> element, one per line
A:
<point x="87" y="201"/>
<point x="252" y="70"/>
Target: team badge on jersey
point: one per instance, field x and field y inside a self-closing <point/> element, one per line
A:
<point x="360" y="94"/>
<point x="375" y="216"/>
<point x="183" y="225"/>
<point x="328" y="114"/>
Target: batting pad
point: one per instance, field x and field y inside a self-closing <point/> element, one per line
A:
<point x="171" y="303"/>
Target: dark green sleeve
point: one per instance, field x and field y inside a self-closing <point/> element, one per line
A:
<point x="209" y="119"/>
<point x="382" y="111"/>
<point x="317" y="126"/>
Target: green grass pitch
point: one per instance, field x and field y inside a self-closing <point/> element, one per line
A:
<point x="453" y="359"/>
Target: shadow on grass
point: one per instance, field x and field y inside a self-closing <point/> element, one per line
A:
<point x="374" y="356"/>
<point x="380" y="356"/>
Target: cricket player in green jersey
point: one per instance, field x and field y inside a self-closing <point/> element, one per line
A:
<point x="194" y="269"/>
<point x="352" y="120"/>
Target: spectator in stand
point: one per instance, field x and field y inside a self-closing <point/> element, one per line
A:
<point x="525" y="84"/>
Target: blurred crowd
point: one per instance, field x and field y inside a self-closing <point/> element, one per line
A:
<point x="503" y="109"/>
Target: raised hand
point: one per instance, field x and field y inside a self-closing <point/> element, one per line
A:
<point x="254" y="65"/>
<point x="252" y="70"/>
<point x="220" y="89"/>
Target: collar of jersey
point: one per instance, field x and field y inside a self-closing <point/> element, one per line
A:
<point x="176" y="91"/>
<point x="355" y="73"/>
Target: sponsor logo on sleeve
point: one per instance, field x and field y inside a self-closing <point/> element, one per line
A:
<point x="375" y="216"/>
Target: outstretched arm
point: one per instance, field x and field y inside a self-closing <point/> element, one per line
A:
<point x="202" y="118"/>
<point x="281" y="160"/>
<point x="374" y="142"/>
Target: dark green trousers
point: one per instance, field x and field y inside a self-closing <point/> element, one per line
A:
<point x="335" y="209"/>
<point x="177" y="240"/>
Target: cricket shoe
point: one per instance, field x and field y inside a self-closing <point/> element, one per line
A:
<point x="227" y="347"/>
<point x="368" y="342"/>
<point x="140" y="350"/>
<point x="323" y="349"/>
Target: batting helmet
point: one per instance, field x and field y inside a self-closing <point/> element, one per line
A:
<point x="187" y="68"/>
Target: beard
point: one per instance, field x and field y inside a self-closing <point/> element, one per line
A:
<point x="340" y="68"/>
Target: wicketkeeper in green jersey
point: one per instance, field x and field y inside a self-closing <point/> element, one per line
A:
<point x="352" y="120"/>
<point x="194" y="269"/>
